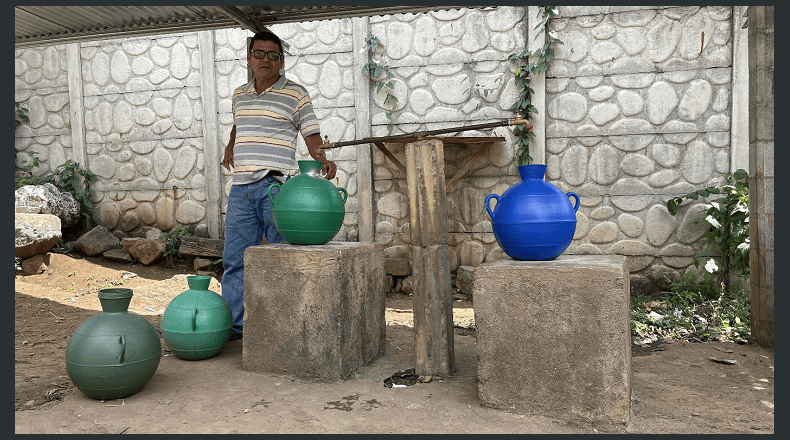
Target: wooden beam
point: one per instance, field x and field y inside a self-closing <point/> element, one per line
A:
<point x="204" y="247"/>
<point x="468" y="165"/>
<point x="390" y="156"/>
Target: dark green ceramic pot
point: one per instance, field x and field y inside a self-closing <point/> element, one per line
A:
<point x="308" y="208"/>
<point x="113" y="354"/>
<point x="197" y="323"/>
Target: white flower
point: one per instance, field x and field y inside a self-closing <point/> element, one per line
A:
<point x="678" y="313"/>
<point x="711" y="266"/>
<point x="553" y="34"/>
<point x="716" y="205"/>
<point x="555" y="11"/>
<point x="713" y="221"/>
<point x="744" y="246"/>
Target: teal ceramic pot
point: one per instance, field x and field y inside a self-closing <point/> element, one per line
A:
<point x="113" y="354"/>
<point x="308" y="208"/>
<point x="197" y="323"/>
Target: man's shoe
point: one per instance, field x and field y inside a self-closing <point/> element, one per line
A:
<point x="236" y="336"/>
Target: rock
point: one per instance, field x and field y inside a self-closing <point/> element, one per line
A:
<point x="50" y="200"/>
<point x="464" y="280"/>
<point x="35" y="264"/>
<point x="35" y="234"/>
<point x="407" y="285"/>
<point x="147" y="232"/>
<point x="207" y="273"/>
<point x="96" y="241"/>
<point x="144" y="250"/>
<point x="203" y="264"/>
<point x="201" y="231"/>
<point x="28" y="209"/>
<point x="118" y="255"/>
<point x="397" y="267"/>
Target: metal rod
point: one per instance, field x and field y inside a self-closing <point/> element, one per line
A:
<point x="370" y="140"/>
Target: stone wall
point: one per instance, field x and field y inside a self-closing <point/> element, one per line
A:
<point x="638" y="109"/>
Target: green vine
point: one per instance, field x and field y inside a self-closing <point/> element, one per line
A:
<point x="375" y="68"/>
<point x="20" y="114"/>
<point x="525" y="70"/>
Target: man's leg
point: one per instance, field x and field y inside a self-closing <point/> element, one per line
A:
<point x="263" y="206"/>
<point x="242" y="230"/>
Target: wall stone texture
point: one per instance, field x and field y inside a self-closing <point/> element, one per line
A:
<point x="638" y="110"/>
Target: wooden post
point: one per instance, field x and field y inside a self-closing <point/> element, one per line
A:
<point x="433" y="310"/>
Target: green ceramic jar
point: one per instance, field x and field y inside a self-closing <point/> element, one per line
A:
<point x="113" y="354"/>
<point x="197" y="323"/>
<point x="308" y="208"/>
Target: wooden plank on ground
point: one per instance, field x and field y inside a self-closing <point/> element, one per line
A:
<point x="204" y="247"/>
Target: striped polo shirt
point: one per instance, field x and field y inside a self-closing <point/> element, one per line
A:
<point x="267" y="126"/>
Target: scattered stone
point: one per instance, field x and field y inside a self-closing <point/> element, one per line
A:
<point x="143" y="250"/>
<point x="50" y="200"/>
<point x="96" y="241"/>
<point x="207" y="273"/>
<point x="724" y="361"/>
<point x="397" y="267"/>
<point x="119" y="234"/>
<point x="204" y="264"/>
<point x="201" y="231"/>
<point x="35" y="234"/>
<point x="407" y="285"/>
<point x="464" y="280"/>
<point x="122" y="255"/>
<point x="35" y="265"/>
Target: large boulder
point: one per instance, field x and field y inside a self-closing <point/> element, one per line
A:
<point x="96" y="241"/>
<point x="35" y="234"/>
<point x="49" y="200"/>
<point x="144" y="250"/>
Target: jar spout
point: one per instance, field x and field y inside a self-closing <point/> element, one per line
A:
<point x="198" y="282"/>
<point x="310" y="167"/>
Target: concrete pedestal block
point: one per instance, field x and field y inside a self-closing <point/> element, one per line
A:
<point x="316" y="312"/>
<point x="553" y="337"/>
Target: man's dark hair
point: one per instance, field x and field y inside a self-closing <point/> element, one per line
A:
<point x="266" y="36"/>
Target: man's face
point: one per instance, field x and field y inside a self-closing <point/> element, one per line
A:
<point x="265" y="69"/>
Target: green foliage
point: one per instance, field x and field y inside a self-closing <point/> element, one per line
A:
<point x="172" y="240"/>
<point x="729" y="235"/>
<point x="524" y="71"/>
<point x="20" y="114"/>
<point x="687" y="314"/>
<point x="375" y="68"/>
<point x="66" y="177"/>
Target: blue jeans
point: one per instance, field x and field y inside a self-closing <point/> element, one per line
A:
<point x="248" y="219"/>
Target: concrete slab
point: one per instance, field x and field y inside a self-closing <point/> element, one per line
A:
<point x="314" y="311"/>
<point x="553" y="337"/>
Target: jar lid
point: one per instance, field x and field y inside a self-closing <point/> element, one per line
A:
<point x="115" y="293"/>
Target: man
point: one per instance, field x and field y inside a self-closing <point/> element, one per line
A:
<point x="268" y="114"/>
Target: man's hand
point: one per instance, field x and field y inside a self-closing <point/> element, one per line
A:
<point x="328" y="167"/>
<point x="227" y="160"/>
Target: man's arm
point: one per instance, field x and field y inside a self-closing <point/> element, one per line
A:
<point x="227" y="161"/>
<point x="313" y="143"/>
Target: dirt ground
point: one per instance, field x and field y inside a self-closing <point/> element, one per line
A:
<point x="676" y="388"/>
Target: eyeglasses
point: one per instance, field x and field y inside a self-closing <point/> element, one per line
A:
<point x="260" y="54"/>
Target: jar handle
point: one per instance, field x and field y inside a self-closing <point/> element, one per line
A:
<point x="122" y="341"/>
<point x="194" y="319"/>
<point x="345" y="194"/>
<point x="279" y="186"/>
<point x="488" y="208"/>
<point x="575" y="208"/>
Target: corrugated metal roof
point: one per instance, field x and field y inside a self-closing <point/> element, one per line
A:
<point x="41" y="25"/>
